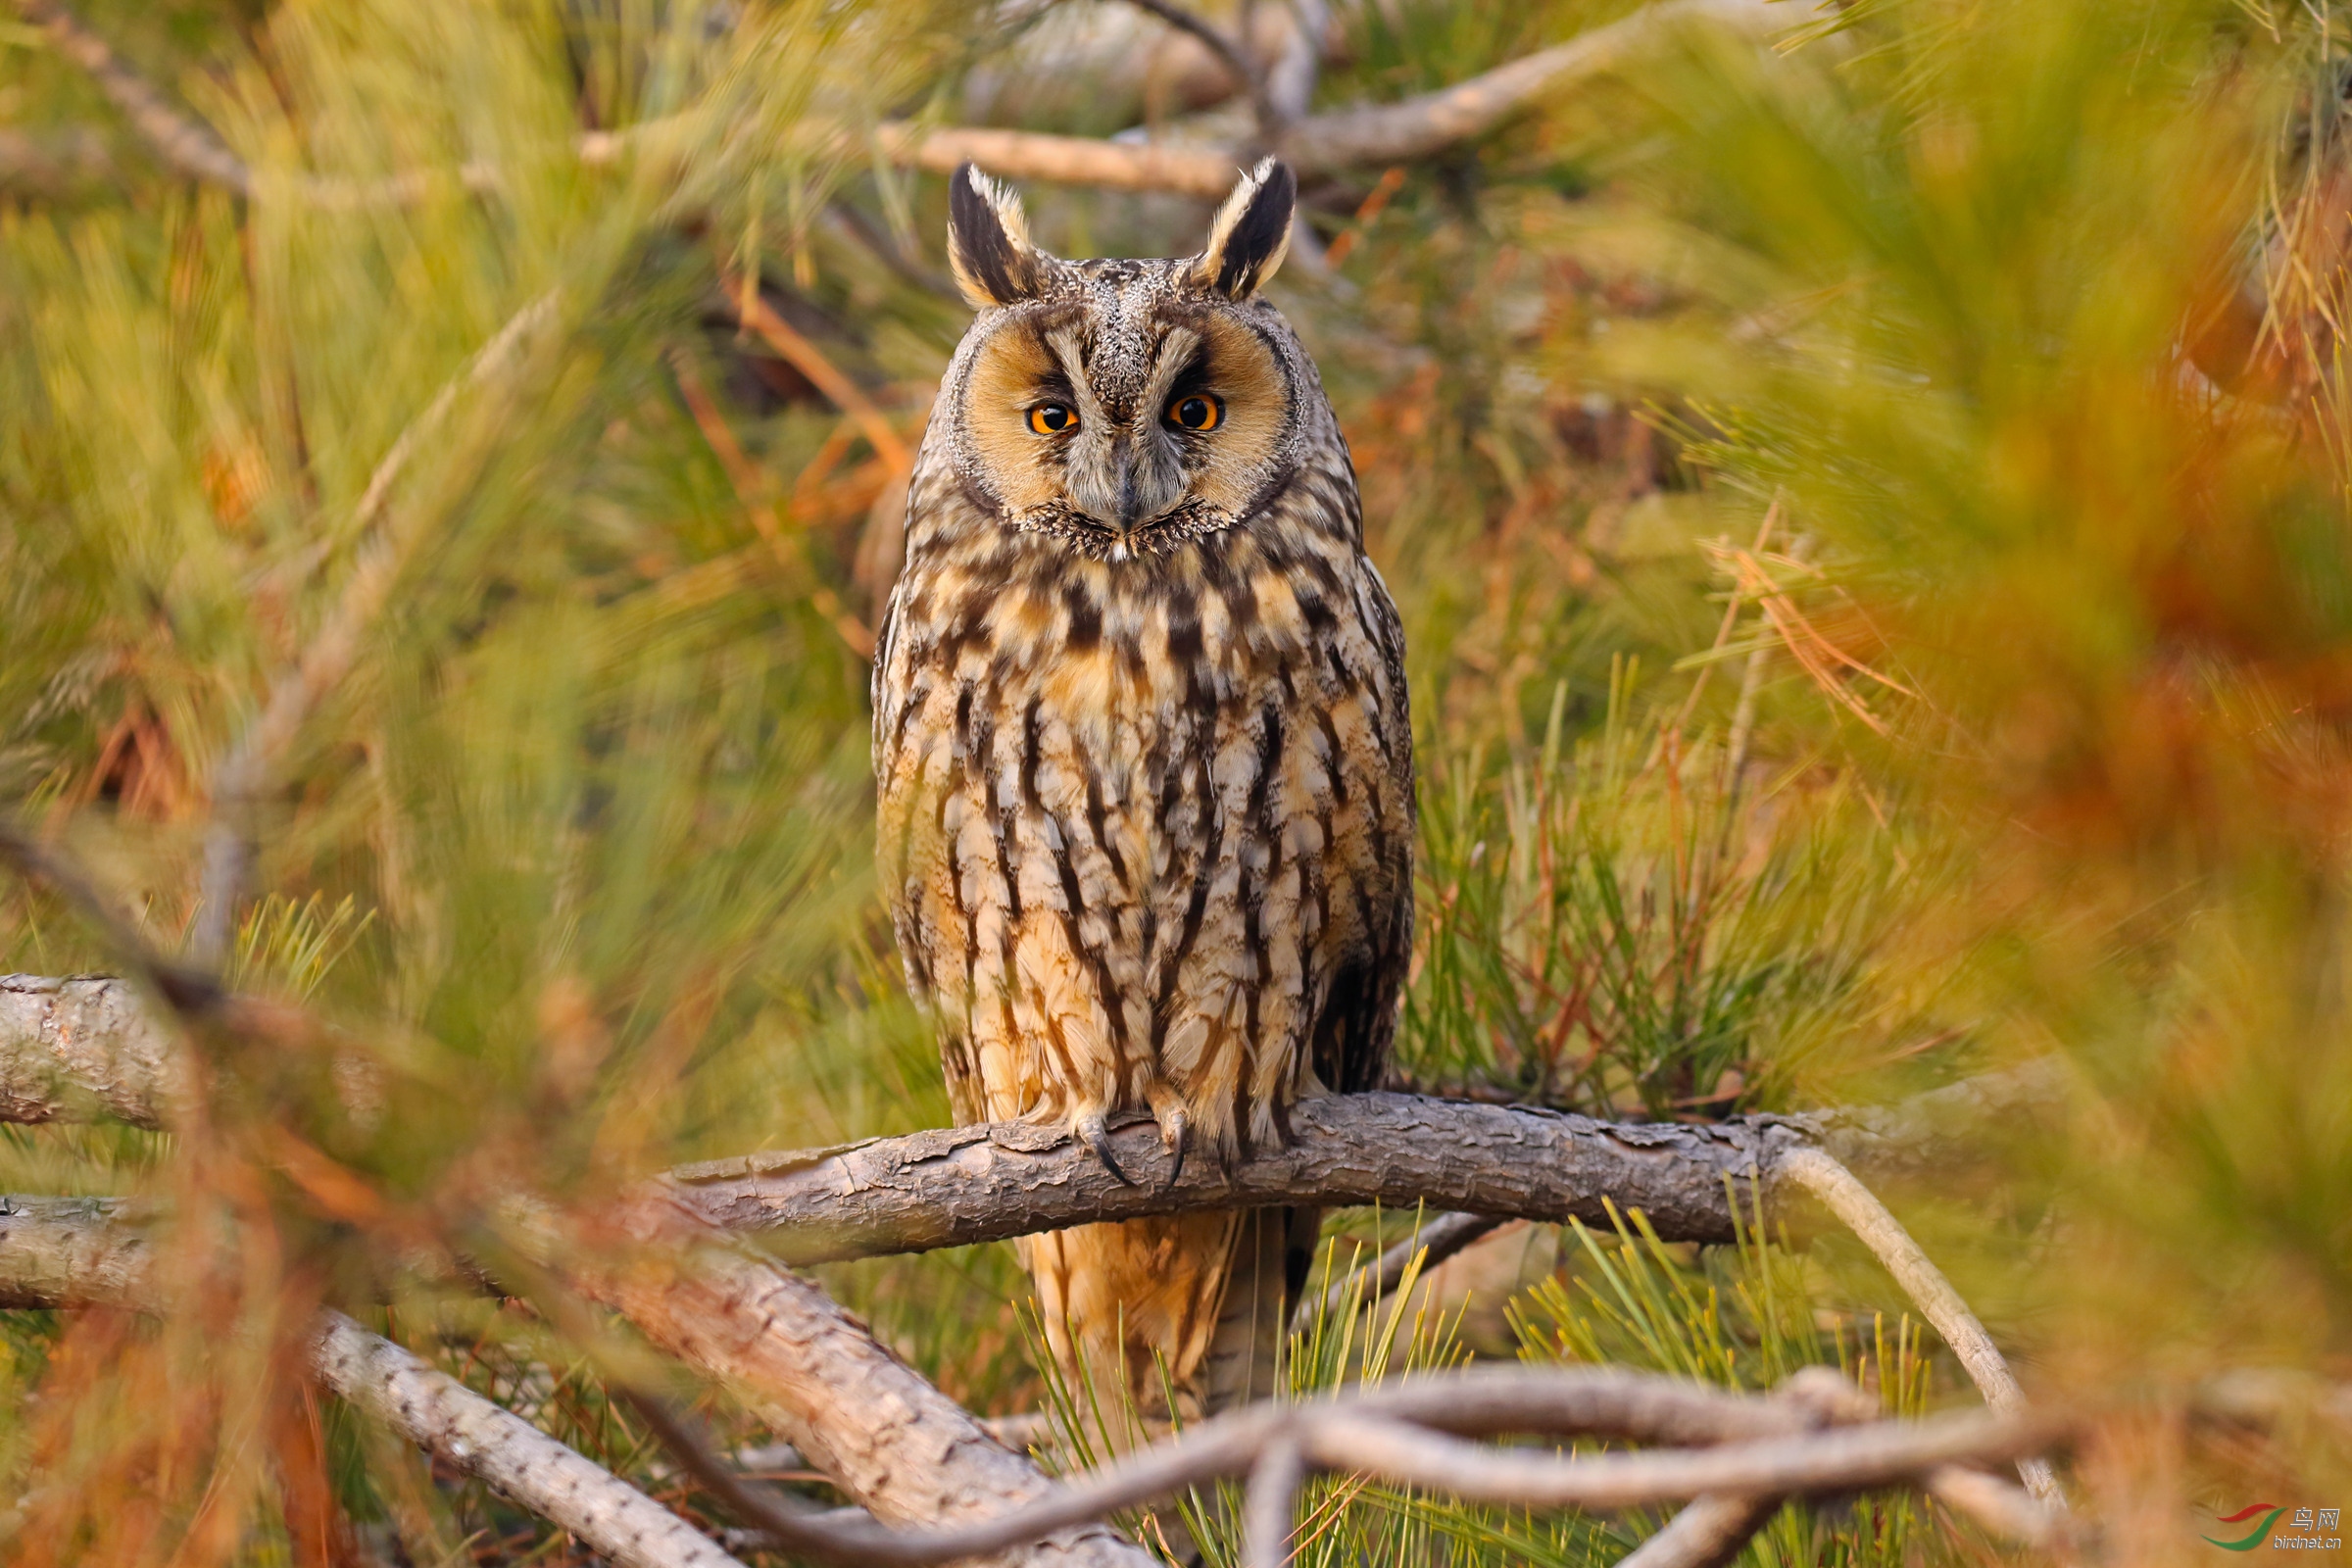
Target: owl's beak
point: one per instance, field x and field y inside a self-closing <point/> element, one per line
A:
<point x="1125" y="478"/>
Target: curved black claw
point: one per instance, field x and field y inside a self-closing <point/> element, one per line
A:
<point x="1176" y="1136"/>
<point x="1096" y="1136"/>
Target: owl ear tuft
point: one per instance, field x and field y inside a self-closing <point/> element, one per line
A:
<point x="988" y="242"/>
<point x="1251" y="233"/>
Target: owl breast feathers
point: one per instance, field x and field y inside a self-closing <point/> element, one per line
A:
<point x="1141" y="730"/>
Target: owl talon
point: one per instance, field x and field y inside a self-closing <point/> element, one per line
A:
<point x="1096" y="1136"/>
<point x="1176" y="1136"/>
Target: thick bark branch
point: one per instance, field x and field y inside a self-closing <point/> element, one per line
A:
<point x="953" y="1186"/>
<point x="71" y="1048"/>
<point x="896" y="1446"/>
<point x="82" y="1047"/>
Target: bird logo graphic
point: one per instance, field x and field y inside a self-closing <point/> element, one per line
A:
<point x="2252" y="1537"/>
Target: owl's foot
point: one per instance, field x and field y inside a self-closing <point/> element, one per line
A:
<point x="1095" y="1136"/>
<point x="1175" y="1128"/>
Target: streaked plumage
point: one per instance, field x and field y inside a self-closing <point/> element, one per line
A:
<point x="1144" y="754"/>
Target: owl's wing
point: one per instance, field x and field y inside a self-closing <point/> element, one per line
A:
<point x="1357" y="1025"/>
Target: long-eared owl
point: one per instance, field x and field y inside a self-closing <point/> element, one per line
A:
<point x="1145" y="759"/>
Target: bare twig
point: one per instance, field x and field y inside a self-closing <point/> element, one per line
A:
<point x="1291" y="79"/>
<point x="808" y="359"/>
<point x="245" y="774"/>
<point x="1434" y="1242"/>
<point x="1844" y="1195"/>
<point x="180" y="141"/>
<point x="1234" y="55"/>
<point x="1270" y="1507"/>
<point x="493" y="1445"/>
<point x="1060" y="159"/>
<point x="1706" y="1535"/>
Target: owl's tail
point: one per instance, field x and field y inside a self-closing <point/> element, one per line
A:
<point x="1272" y="1251"/>
<point x="1192" y="1305"/>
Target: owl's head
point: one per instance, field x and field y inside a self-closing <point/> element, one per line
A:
<point x="1127" y="406"/>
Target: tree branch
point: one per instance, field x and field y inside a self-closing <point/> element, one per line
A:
<point x="953" y="1186"/>
<point x="1708" y="1533"/>
<point x="896" y="1444"/>
<point x="1440" y="1238"/>
<point x="1234" y="56"/>
<point x="180" y="141"/>
<point x="76" y="1253"/>
<point x="72" y="1047"/>
<point x="441" y="1415"/>
<point x="838" y="1394"/>
<point x="1316" y="145"/>
<point x="1420" y="128"/>
<point x="1844" y="1195"/>
<point x="82" y="1047"/>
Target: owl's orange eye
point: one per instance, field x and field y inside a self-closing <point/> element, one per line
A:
<point x="1053" y="418"/>
<point x="1198" y="411"/>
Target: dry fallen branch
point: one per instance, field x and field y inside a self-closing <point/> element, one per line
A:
<point x="1708" y="1533"/>
<point x="84" y="1046"/>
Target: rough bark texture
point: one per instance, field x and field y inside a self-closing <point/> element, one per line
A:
<point x="898" y="1446"/>
<point x="82" y="1047"/>
<point x="951" y="1187"/>
<point x="955" y="1185"/>
<point x="68" y="1251"/>
<point x="441" y="1415"/>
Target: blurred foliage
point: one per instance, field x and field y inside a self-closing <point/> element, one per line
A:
<point x="1870" y="516"/>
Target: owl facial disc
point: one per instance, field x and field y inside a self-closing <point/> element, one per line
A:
<point x="1127" y="407"/>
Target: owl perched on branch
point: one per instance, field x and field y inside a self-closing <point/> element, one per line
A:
<point x="1144" y="758"/>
